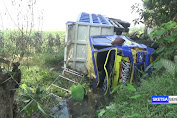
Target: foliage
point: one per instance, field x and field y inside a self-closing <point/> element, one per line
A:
<point x="101" y="113"/>
<point x="163" y="81"/>
<point x="170" y="67"/>
<point x="120" y="86"/>
<point x="77" y="92"/>
<point x="156" y="12"/>
<point x="137" y="33"/>
<point x="16" y="44"/>
<point x="137" y="104"/>
<point x="130" y="87"/>
<point x="31" y="100"/>
<point x="39" y="68"/>
<point x="39" y="53"/>
<point x="165" y="36"/>
<point x="116" y="88"/>
<point x="53" y="58"/>
<point x="37" y="77"/>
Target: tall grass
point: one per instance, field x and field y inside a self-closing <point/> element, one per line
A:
<point x="43" y="56"/>
<point x="128" y="104"/>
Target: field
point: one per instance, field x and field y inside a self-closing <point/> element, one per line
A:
<point x="41" y="56"/>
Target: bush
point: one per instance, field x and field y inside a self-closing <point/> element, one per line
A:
<point x="77" y="92"/>
<point x="128" y="104"/>
<point x="54" y="58"/>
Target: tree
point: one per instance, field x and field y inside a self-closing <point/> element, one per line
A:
<point x="18" y="14"/>
<point x="161" y="15"/>
<point x="156" y="12"/>
<point x="8" y="83"/>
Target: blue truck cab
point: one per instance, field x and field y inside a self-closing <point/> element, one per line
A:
<point x="109" y="65"/>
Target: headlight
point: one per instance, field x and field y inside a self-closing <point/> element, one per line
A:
<point x="151" y="59"/>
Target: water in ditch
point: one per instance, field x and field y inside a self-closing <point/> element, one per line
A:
<point x="87" y="108"/>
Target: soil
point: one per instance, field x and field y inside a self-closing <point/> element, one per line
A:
<point x="87" y="108"/>
<point x="58" y="67"/>
<point x="93" y="101"/>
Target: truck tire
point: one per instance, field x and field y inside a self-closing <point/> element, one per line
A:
<point x="148" y="43"/>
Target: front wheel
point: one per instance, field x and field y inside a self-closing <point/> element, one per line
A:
<point x="107" y="87"/>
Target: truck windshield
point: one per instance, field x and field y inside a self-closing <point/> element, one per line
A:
<point x="101" y="40"/>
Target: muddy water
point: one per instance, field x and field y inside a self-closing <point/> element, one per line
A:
<point x="87" y="108"/>
<point x="93" y="101"/>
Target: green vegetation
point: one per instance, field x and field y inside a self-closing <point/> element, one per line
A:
<point x="135" y="102"/>
<point x="156" y="12"/>
<point x="77" y="92"/>
<point x="138" y="104"/>
<point x="41" y="59"/>
<point x="165" y="36"/>
<point x="16" y="44"/>
<point x="163" y="81"/>
<point x="134" y="31"/>
<point x="41" y="56"/>
<point x="31" y="99"/>
<point x="40" y="66"/>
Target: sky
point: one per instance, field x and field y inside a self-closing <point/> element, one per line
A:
<point x="53" y="14"/>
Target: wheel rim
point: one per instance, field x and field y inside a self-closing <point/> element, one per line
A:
<point x="104" y="87"/>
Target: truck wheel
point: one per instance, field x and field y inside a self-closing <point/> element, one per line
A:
<point x="104" y="87"/>
<point x="148" y="43"/>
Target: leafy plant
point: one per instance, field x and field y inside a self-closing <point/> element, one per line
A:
<point x="155" y="12"/>
<point x="135" y="115"/>
<point x="77" y="92"/>
<point x="138" y="96"/>
<point x="138" y="104"/>
<point x="165" y="36"/>
<point x="54" y="57"/>
<point x="101" y="113"/>
<point x="116" y="88"/>
<point x="170" y="66"/>
<point x="130" y="87"/>
<point x="31" y="100"/>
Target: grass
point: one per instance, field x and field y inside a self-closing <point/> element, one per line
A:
<point x="128" y="104"/>
<point x="54" y="58"/>
<point x="39" y="71"/>
<point x="42" y="70"/>
<point x="40" y="66"/>
<point x="40" y="74"/>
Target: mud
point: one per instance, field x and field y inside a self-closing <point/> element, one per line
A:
<point x="87" y="108"/>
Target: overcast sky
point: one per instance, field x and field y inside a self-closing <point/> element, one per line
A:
<point x="53" y="14"/>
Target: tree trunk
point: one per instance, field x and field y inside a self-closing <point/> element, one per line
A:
<point x="8" y="82"/>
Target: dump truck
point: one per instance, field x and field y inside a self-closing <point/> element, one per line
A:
<point x="116" y="59"/>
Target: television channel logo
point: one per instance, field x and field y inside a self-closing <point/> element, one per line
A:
<point x="164" y="99"/>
